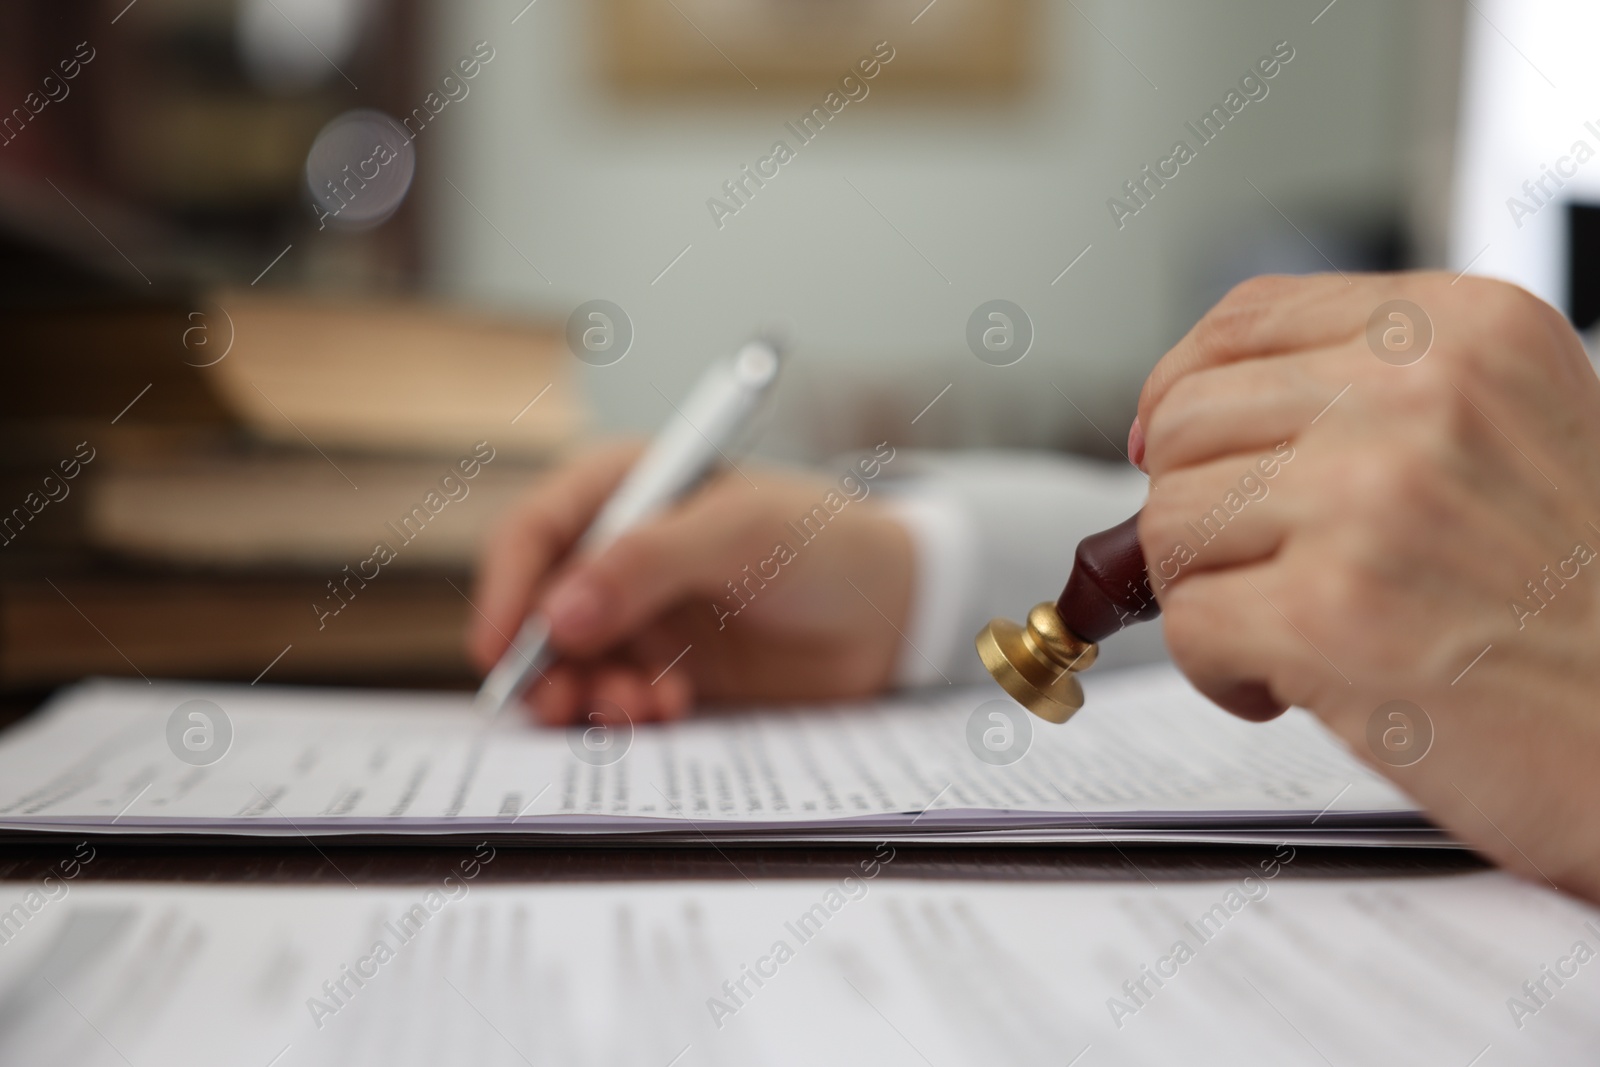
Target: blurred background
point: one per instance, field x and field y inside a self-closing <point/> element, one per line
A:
<point x="281" y="265"/>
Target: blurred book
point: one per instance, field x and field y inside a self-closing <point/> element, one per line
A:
<point x="63" y="625"/>
<point x="366" y="422"/>
<point x="362" y="375"/>
<point x="296" y="510"/>
<point x="236" y="460"/>
<point x="384" y="375"/>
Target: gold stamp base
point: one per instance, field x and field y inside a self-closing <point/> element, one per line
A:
<point x="1037" y="664"/>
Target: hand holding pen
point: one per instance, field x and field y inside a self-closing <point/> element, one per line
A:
<point x="679" y="574"/>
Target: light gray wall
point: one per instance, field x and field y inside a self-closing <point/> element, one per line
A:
<point x="601" y="194"/>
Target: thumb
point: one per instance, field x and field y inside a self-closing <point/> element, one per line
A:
<point x="696" y="548"/>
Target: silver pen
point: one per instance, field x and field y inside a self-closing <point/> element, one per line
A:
<point x="713" y="420"/>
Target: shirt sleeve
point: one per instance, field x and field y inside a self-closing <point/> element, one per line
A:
<point x="993" y="534"/>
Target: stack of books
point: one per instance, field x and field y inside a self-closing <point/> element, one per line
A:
<point x="203" y="486"/>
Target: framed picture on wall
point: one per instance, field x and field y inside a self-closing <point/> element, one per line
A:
<point x="653" y="45"/>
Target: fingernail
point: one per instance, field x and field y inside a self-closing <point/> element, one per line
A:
<point x="574" y="608"/>
<point x="1136" y="444"/>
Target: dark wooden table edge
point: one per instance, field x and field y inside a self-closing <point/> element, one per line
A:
<point x="342" y="862"/>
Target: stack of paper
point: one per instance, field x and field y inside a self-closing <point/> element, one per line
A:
<point x="1148" y="759"/>
<point x="1265" y="968"/>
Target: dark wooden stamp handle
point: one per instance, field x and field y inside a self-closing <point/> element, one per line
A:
<point x="1109" y="587"/>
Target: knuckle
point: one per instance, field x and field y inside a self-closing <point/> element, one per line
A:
<point x="1186" y="397"/>
<point x="1446" y="425"/>
<point x="1508" y="325"/>
<point x="1498" y="303"/>
<point x="1437" y="382"/>
<point x="1379" y="508"/>
<point x="1261" y="289"/>
<point x="1435" y="396"/>
<point x="1234" y="323"/>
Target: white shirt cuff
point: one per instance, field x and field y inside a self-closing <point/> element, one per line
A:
<point x="945" y="550"/>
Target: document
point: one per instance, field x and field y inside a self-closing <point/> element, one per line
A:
<point x="1148" y="754"/>
<point x="1265" y="968"/>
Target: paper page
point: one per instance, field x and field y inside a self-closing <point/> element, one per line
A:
<point x="1147" y="751"/>
<point x="871" y="970"/>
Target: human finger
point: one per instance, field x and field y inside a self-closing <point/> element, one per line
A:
<point x="695" y="548"/>
<point x="553" y="699"/>
<point x="528" y="542"/>
<point x="1239" y="407"/>
<point x="1273" y="315"/>
<point x="1229" y="633"/>
<point x="1232" y="511"/>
